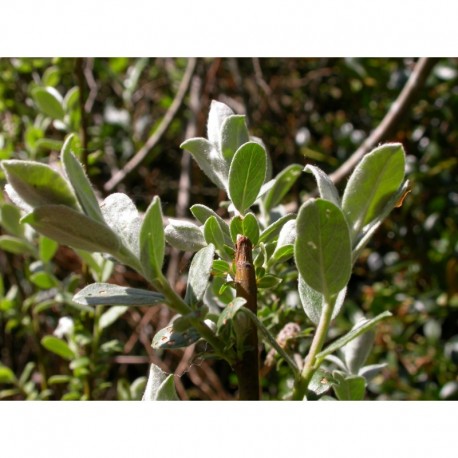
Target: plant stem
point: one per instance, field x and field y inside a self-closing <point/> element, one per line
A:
<point x="83" y="129"/>
<point x="175" y="302"/>
<point x="247" y="368"/>
<point x="300" y="388"/>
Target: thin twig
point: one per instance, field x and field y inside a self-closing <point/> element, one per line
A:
<point x="397" y="110"/>
<point x="156" y="136"/>
<point x="79" y="71"/>
<point x="264" y="86"/>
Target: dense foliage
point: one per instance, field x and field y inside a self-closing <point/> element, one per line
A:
<point x="307" y="111"/>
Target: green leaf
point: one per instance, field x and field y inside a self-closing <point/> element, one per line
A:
<point x="214" y="234"/>
<point x="152" y="241"/>
<point x="325" y="185"/>
<point x="283" y="182"/>
<point x="357" y="351"/>
<point x="51" y="76"/>
<point x="199" y="275"/>
<point x="49" y="101"/>
<point x="10" y="219"/>
<point x="6" y="375"/>
<point x="47" y="248"/>
<point x="352" y="388"/>
<point x="112" y="315"/>
<point x="282" y="254"/>
<point x="202" y="213"/>
<point x="246" y="175"/>
<point x="184" y="235"/>
<point x="312" y="301"/>
<point x="322" y="248"/>
<point x="38" y="184"/>
<point x="320" y="382"/>
<point x="159" y="386"/>
<point x="80" y="182"/>
<point x="44" y="280"/>
<point x="57" y="346"/>
<point x="234" y="134"/>
<point x="220" y="267"/>
<point x="171" y="338"/>
<point x="271" y="232"/>
<point x="360" y="328"/>
<point x="373" y="182"/>
<point x="16" y="245"/>
<point x="247" y="226"/>
<point x="69" y="227"/>
<point x="121" y="215"/>
<point x="109" y="294"/>
<point x="167" y="390"/>
<point x="48" y="144"/>
<point x="269" y="281"/>
<point x="208" y="159"/>
<point x="219" y="112"/>
<point x="369" y="230"/>
<point x="229" y="312"/>
<point x="71" y="98"/>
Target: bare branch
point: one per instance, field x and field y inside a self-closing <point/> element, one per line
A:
<point x="157" y="134"/>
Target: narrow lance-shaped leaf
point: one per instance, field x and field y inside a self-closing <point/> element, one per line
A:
<point x="152" y="241"/>
<point x="109" y="294"/>
<point x="373" y="182"/>
<point x="246" y="175"/>
<point x="325" y="185"/>
<point x="57" y="346"/>
<point x="69" y="227"/>
<point x="80" y="182"/>
<point x="214" y="234"/>
<point x="360" y="328"/>
<point x="283" y="182"/>
<point x="199" y="274"/>
<point x="202" y="213"/>
<point x="272" y="231"/>
<point x="111" y="315"/>
<point x="38" y="184"/>
<point x="322" y="248"/>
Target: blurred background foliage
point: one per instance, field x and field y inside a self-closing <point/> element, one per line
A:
<point x="314" y="111"/>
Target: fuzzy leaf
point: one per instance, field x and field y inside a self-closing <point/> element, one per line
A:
<point x="69" y="227"/>
<point x="219" y="112"/>
<point x="160" y="386"/>
<point x="112" y="315"/>
<point x="80" y="182"/>
<point x="325" y="185"/>
<point x="246" y="175"/>
<point x="357" y="351"/>
<point x="283" y="182"/>
<point x="121" y="215"/>
<point x="152" y="241"/>
<point x="373" y="182"/>
<point x="184" y="235"/>
<point x="230" y="311"/>
<point x="171" y="338"/>
<point x="271" y="232"/>
<point x="109" y="294"/>
<point x="49" y="101"/>
<point x="214" y="234"/>
<point x="38" y="184"/>
<point x="234" y="134"/>
<point x="199" y="274"/>
<point x="322" y="248"/>
<point x="360" y="328"/>
<point x="312" y="301"/>
<point x="208" y="159"/>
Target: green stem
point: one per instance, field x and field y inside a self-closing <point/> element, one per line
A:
<point x="271" y="339"/>
<point x="176" y="303"/>
<point x="301" y="385"/>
